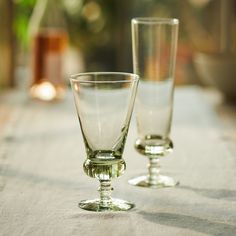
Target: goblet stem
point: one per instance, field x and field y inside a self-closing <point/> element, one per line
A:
<point x="153" y="171"/>
<point x="105" y="190"/>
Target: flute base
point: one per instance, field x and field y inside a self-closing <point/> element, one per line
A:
<point x="161" y="182"/>
<point x="114" y="205"/>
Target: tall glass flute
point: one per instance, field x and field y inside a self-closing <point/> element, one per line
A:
<point x="104" y="103"/>
<point x="154" y="43"/>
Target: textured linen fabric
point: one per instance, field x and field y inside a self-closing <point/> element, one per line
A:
<point x="42" y="179"/>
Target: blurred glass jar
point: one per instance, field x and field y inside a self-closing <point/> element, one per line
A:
<point x="49" y="39"/>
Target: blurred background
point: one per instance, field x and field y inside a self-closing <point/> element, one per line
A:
<point x="98" y="38"/>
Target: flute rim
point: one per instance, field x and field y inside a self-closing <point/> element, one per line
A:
<point x="76" y="77"/>
<point x="155" y="20"/>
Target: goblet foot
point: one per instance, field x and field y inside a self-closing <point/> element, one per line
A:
<point x="114" y="205"/>
<point x="162" y="181"/>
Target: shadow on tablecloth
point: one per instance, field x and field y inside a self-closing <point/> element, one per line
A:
<point x="190" y="222"/>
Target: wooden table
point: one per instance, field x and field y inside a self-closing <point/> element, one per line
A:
<point x="42" y="180"/>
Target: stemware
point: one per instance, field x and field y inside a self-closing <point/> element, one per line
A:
<point x="154" y="44"/>
<point x="104" y="103"/>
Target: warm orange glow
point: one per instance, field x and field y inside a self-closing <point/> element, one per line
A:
<point x="44" y="91"/>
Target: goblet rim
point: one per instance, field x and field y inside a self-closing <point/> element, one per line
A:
<point x="155" y="20"/>
<point x="77" y="77"/>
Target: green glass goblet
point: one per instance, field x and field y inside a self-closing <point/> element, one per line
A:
<point x="104" y="103"/>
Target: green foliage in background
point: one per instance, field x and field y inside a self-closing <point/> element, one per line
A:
<point x="23" y="11"/>
<point x="90" y="23"/>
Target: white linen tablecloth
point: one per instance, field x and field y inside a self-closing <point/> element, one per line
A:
<point x="42" y="179"/>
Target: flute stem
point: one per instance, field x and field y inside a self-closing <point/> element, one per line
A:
<point x="153" y="171"/>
